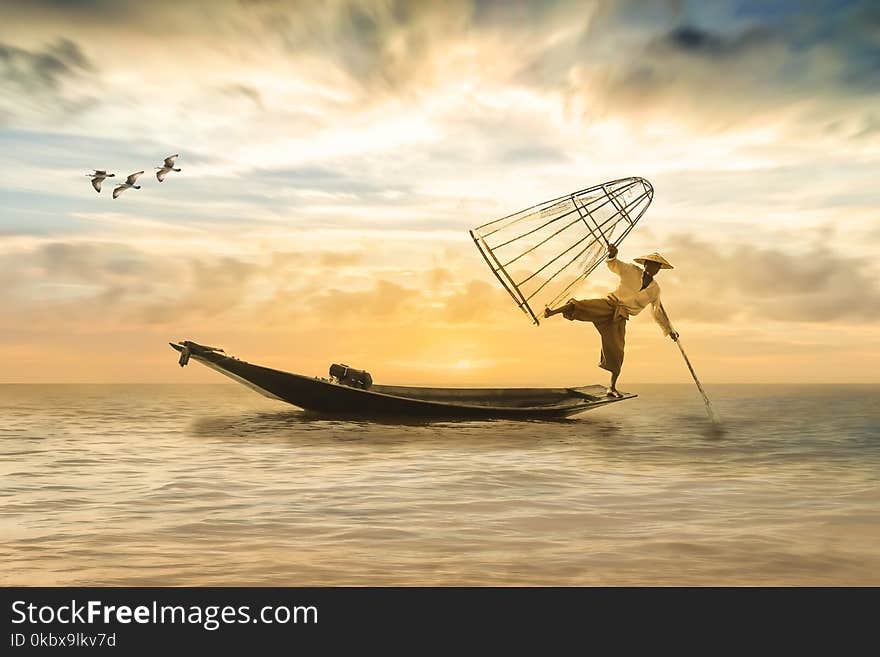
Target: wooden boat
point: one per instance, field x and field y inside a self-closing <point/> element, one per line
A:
<point x="328" y="396"/>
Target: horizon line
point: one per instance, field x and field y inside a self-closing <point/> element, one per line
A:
<point x="642" y="383"/>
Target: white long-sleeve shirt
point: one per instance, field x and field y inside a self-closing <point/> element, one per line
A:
<point x="632" y="297"/>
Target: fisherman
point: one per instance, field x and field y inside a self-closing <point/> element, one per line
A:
<point x="637" y="289"/>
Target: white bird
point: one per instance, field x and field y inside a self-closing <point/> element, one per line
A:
<point x="129" y="182"/>
<point x="169" y="166"/>
<point x="97" y="177"/>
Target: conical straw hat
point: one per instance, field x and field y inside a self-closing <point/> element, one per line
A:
<point x="655" y="257"/>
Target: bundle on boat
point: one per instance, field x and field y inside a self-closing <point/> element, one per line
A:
<point x="541" y="254"/>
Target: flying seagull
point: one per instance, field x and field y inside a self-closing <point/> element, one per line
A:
<point x="129" y="182"/>
<point x="97" y="177"/>
<point x="169" y="166"/>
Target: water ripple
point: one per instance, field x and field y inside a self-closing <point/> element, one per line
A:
<point x="200" y="485"/>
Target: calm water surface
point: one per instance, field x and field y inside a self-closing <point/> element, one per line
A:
<point x="213" y="484"/>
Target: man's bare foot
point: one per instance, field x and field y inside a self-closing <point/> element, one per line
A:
<point x="561" y="309"/>
<point x="614" y="392"/>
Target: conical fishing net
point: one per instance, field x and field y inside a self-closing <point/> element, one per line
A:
<point x="542" y="253"/>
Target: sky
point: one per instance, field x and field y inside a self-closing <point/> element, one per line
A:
<point x="335" y="153"/>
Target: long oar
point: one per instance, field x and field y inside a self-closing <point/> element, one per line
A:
<point x="709" y="410"/>
<point x="712" y="417"/>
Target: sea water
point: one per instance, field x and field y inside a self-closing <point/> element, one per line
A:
<point x="213" y="484"/>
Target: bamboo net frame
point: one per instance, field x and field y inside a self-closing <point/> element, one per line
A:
<point x="542" y="253"/>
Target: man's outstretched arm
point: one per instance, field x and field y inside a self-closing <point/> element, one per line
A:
<point x="615" y="265"/>
<point x="662" y="319"/>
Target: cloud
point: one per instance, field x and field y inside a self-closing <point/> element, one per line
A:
<point x="715" y="283"/>
<point x="126" y="285"/>
<point x="325" y="83"/>
<point x="380" y="46"/>
<point x="715" y="70"/>
<point x="119" y="283"/>
<point x="478" y="301"/>
<point x="711" y="284"/>
<point x="385" y="300"/>
<point x="41" y="79"/>
<point x="35" y="71"/>
<point x="238" y="90"/>
<point x="92" y="9"/>
<point x="693" y="41"/>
